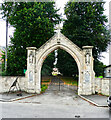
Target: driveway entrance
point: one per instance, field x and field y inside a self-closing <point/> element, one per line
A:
<point x="83" y="58"/>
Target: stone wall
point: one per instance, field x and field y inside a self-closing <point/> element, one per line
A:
<point x="6" y="82"/>
<point x="102" y="85"/>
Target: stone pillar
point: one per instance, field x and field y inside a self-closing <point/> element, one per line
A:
<point x="88" y="79"/>
<point x="31" y="64"/>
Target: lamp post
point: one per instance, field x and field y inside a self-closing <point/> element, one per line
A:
<point x="6" y="44"/>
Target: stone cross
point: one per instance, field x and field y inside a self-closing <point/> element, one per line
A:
<point x="58" y="28"/>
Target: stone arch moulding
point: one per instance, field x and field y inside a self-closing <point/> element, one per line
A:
<point x="83" y="58"/>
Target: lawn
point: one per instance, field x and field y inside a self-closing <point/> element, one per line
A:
<point x="69" y="81"/>
<point x="45" y="83"/>
<point x="47" y="79"/>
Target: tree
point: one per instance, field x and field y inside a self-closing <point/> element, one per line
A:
<point x="85" y="24"/>
<point x="66" y="64"/>
<point x="48" y="64"/>
<point x="99" y="68"/>
<point x="34" y="24"/>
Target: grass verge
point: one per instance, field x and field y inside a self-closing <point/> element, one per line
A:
<point x="45" y="83"/>
<point x="69" y="81"/>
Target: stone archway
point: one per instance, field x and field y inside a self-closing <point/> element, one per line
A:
<point x="83" y="58"/>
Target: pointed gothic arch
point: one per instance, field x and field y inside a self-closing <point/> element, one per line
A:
<point x="83" y="58"/>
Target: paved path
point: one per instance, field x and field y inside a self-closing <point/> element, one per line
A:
<point x="12" y="96"/>
<point x="98" y="99"/>
<point x="57" y="93"/>
<point x="58" y="85"/>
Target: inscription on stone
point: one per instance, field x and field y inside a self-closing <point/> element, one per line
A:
<point x="30" y="76"/>
<point x="87" y="77"/>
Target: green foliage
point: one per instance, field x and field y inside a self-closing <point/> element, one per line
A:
<point x="99" y="68"/>
<point x="85" y="24"/>
<point x="69" y="80"/>
<point x="48" y="64"/>
<point x="34" y="24"/>
<point x="43" y="88"/>
<point x="66" y="64"/>
<point x="100" y="76"/>
<point x="2" y="72"/>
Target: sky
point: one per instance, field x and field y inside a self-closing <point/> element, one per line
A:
<point x="59" y="4"/>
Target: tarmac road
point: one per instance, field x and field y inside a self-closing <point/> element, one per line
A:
<point x="34" y="110"/>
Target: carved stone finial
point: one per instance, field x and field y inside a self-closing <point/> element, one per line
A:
<point x="58" y="28"/>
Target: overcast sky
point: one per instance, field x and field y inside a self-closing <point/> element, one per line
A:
<point x="59" y="4"/>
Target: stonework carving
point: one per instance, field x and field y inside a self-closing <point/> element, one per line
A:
<point x="31" y="57"/>
<point x="83" y="58"/>
<point x="87" y="57"/>
<point x="87" y="76"/>
<point x="30" y="76"/>
<point x="58" y="40"/>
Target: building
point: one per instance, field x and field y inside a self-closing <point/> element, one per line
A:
<point x="55" y="72"/>
<point x="107" y="71"/>
<point x="1" y="53"/>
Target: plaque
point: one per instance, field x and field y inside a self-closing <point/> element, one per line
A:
<point x="87" y="77"/>
<point x="30" y="76"/>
